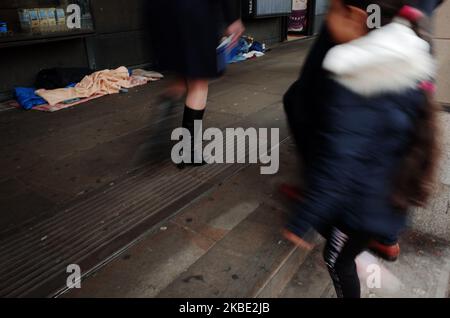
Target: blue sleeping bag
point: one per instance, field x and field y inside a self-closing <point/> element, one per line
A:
<point x="27" y="98"/>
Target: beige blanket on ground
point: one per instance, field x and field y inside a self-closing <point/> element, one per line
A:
<point x="99" y="83"/>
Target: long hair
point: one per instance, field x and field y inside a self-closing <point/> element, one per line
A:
<point x="415" y="178"/>
<point x="414" y="183"/>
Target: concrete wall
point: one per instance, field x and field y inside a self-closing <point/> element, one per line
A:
<point x="19" y="65"/>
<point x="123" y="37"/>
<point x="435" y="218"/>
<point x="267" y="30"/>
<point x="442" y="42"/>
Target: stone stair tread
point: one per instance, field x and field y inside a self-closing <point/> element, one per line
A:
<point x="311" y="280"/>
<point x="218" y="223"/>
<point x="239" y="265"/>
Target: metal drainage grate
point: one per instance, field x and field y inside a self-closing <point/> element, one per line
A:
<point x="34" y="261"/>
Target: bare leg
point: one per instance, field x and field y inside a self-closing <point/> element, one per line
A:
<point x="197" y="94"/>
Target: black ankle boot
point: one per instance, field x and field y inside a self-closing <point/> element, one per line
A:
<point x="189" y="118"/>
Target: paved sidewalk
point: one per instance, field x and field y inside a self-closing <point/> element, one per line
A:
<point x="64" y="175"/>
<point x="224" y="240"/>
<point x="48" y="160"/>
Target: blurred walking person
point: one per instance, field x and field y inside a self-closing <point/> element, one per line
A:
<point x="187" y="34"/>
<point x="304" y="111"/>
<point x="372" y="153"/>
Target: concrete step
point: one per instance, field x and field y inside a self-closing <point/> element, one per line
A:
<point x="311" y="280"/>
<point x="94" y="230"/>
<point x="227" y="243"/>
<point x="250" y="261"/>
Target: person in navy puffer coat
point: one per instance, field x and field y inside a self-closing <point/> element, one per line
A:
<point x="370" y="144"/>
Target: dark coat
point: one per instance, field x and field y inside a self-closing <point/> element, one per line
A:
<point x="359" y="148"/>
<point x="353" y="144"/>
<point x="301" y="105"/>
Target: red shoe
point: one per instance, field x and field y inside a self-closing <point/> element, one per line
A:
<point x="389" y="253"/>
<point x="292" y="192"/>
<point x="297" y="241"/>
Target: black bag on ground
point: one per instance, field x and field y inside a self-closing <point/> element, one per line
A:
<point x="60" y="77"/>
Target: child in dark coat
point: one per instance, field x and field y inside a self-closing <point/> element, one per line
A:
<point x="371" y="153"/>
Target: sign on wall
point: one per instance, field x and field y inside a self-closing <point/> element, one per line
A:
<point x="298" y="19"/>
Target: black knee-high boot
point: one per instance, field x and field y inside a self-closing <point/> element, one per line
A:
<point x="189" y="118"/>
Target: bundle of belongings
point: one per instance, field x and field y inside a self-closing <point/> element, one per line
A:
<point x="60" y="77"/>
<point x="247" y="48"/>
<point x="63" y="88"/>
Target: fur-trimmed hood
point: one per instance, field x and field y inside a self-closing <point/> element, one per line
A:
<point x="390" y="59"/>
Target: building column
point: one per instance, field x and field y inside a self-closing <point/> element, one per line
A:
<point x="442" y="46"/>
